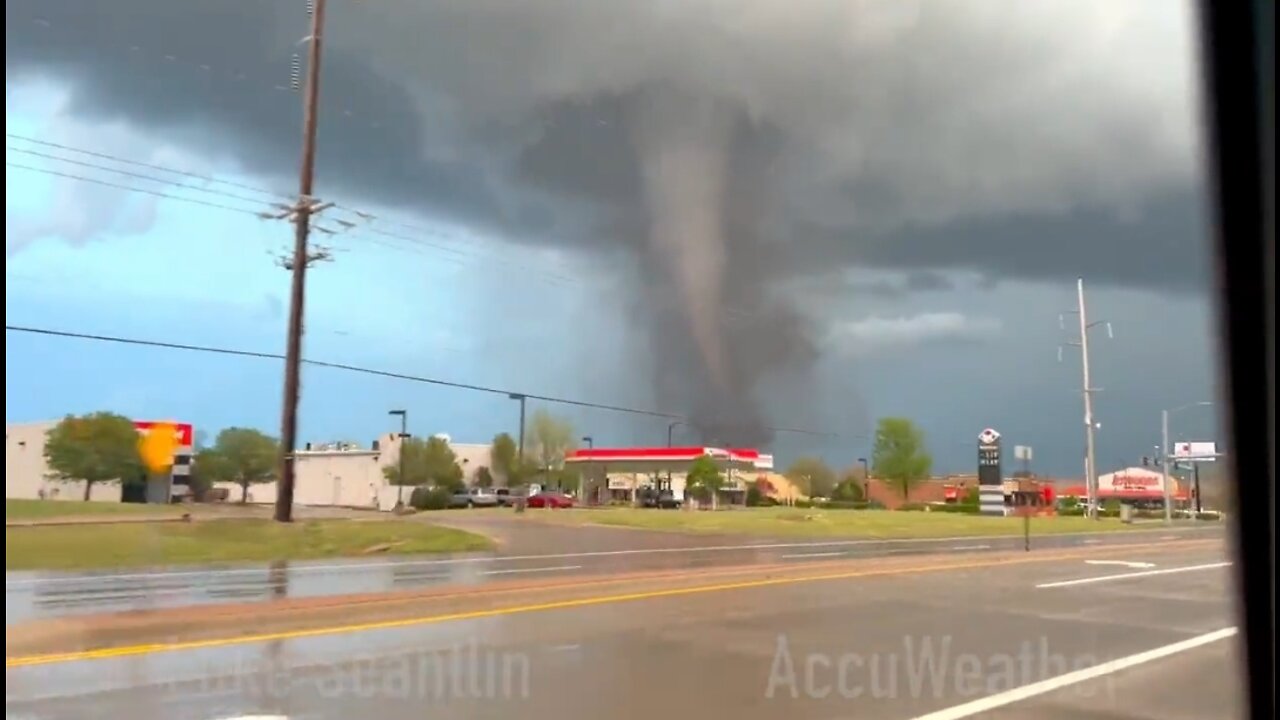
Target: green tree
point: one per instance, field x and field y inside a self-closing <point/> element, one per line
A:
<point x="100" y="447"/>
<point x="484" y="477"/>
<point x="244" y="456"/>
<point x="502" y="456"/>
<point x="704" y="479"/>
<point x="551" y="438"/>
<point x="427" y="462"/>
<point x="812" y="476"/>
<point x="900" y="456"/>
<point x="851" y="487"/>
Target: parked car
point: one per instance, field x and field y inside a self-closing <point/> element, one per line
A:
<point x="508" y="497"/>
<point x="474" y="497"/>
<point x="552" y="500"/>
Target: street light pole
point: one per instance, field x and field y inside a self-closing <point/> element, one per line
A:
<point x="671" y="427"/>
<point x="404" y="436"/>
<point x="520" y="447"/>
<point x="866" y="480"/>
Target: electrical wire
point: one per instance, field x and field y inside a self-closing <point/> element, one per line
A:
<point x="378" y="373"/>
<point x="130" y="188"/>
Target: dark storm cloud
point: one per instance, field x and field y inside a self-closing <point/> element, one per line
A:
<point x="733" y="143"/>
<point x="899" y="117"/>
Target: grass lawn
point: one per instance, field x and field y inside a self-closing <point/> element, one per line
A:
<point x="68" y="547"/>
<point x="795" y="522"/>
<point x="43" y="509"/>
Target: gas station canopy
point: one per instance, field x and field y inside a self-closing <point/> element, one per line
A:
<point x="675" y="459"/>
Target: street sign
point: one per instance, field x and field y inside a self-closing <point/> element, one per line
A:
<point x="1022" y="452"/>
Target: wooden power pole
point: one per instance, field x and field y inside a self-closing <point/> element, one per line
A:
<point x="301" y="259"/>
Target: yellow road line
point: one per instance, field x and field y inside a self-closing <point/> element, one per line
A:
<point x="131" y="650"/>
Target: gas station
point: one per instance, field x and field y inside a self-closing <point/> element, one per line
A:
<point x="620" y="473"/>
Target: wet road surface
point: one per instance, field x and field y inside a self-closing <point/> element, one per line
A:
<point x="527" y="549"/>
<point x="888" y="647"/>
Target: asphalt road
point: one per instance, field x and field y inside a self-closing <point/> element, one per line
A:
<point x="532" y="549"/>
<point x="900" y="646"/>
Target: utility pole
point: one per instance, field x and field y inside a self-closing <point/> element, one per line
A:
<point x="297" y="296"/>
<point x="1090" y="465"/>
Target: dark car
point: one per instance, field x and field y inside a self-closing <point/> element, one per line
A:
<point x="663" y="499"/>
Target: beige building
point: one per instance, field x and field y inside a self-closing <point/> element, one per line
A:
<point x="27" y="476"/>
<point x="331" y="474"/>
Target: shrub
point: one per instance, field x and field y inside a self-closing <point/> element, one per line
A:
<point x="803" y="504"/>
<point x="425" y="498"/>
<point x="958" y="508"/>
<point x="844" y="505"/>
<point x="754" y="497"/>
<point x="911" y="506"/>
<point x="1072" y="511"/>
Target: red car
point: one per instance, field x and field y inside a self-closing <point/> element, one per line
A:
<point x="550" y="500"/>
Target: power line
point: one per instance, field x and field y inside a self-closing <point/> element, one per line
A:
<point x="586" y="404"/>
<point x="130" y="188"/>
<point x="139" y="176"/>
<point x="138" y="163"/>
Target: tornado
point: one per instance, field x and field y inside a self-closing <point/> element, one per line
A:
<point x="682" y="141"/>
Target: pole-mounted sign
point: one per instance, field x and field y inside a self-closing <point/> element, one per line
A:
<point x="990" y="477"/>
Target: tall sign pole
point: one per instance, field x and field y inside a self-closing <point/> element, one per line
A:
<point x="990" y="477"/>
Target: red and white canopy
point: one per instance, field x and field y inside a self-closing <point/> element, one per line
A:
<point x="670" y="458"/>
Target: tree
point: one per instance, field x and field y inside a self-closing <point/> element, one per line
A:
<point x="95" y="448"/>
<point x="704" y="479"/>
<point x="244" y="456"/>
<point x="850" y="488"/>
<point x="427" y="462"/>
<point x="502" y="455"/>
<point x="899" y="455"/>
<point x="551" y="438"/>
<point x="813" y="476"/>
<point x="484" y="478"/>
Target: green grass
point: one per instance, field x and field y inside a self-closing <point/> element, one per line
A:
<point x="43" y="509"/>
<point x="794" y="522"/>
<point x="68" y="547"/>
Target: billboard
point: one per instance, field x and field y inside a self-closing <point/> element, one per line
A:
<point x="1197" y="451"/>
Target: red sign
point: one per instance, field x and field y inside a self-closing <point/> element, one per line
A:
<point x="183" y="432"/>
<point x="1134" y="482"/>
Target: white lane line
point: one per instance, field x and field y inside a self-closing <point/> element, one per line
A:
<point x="1007" y="697"/>
<point x="972" y="547"/>
<point x="1125" y="576"/>
<point x="1090" y="542"/>
<point x="1124" y="563"/>
<point x="509" y="571"/>
<point x="811" y="555"/>
<point x="360" y="566"/>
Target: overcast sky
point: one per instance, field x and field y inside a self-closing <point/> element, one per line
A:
<point x="763" y="214"/>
